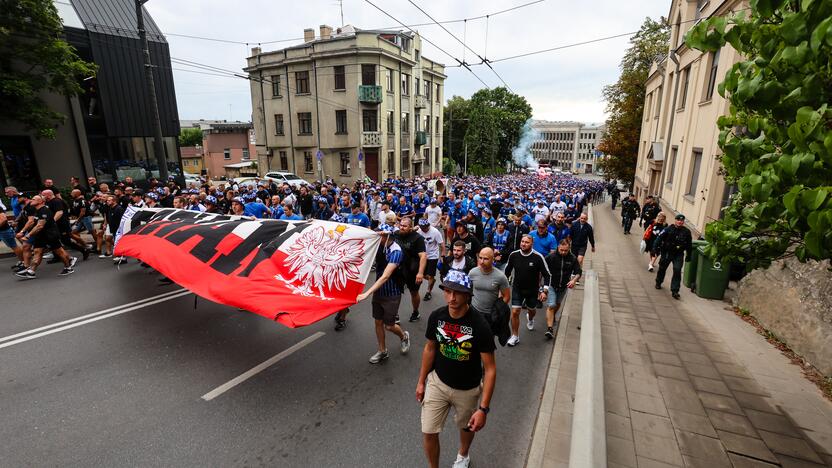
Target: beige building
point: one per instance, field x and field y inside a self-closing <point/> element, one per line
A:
<point x="570" y="146"/>
<point x="678" y="151"/>
<point x="348" y="104"/>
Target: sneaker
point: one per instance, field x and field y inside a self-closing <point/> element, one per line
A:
<point x="658" y="286"/>
<point x="513" y="340"/>
<point x="20" y="267"/>
<point x="17" y="266"/>
<point x="676" y="296"/>
<point x="340" y="324"/>
<point x="104" y="255"/>
<point x="650" y="268"/>
<point x="550" y="333"/>
<point x="378" y="357"/>
<point x="66" y="271"/>
<point x="406" y="343"/>
<point x="26" y="274"/>
<point x="48" y="256"/>
<point x="85" y="254"/>
<point x="530" y="325"/>
<point x="72" y="262"/>
<point x="428" y="296"/>
<point x="414" y="316"/>
<point x="462" y="462"/>
<point x="119" y="260"/>
<point x="165" y="280"/>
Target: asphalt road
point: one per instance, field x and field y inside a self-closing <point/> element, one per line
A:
<point x="125" y="388"/>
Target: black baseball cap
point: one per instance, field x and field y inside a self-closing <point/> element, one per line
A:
<point x="680" y="216"/>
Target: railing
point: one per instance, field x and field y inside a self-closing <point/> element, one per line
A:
<point x="370" y="139"/>
<point x="370" y="94"/>
<point x="421" y="102"/>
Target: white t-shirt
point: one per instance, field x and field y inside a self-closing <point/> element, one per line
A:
<point x="382" y="216"/>
<point x="434" y="213"/>
<point x="540" y="213"/>
<point x="433" y="239"/>
<point x="558" y="207"/>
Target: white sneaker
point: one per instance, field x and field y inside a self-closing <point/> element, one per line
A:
<point x="530" y="325"/>
<point x="513" y="340"/>
<point x="72" y="262"/>
<point x="378" y="357"/>
<point x="405" y="347"/>
<point x="461" y="462"/>
<point x="650" y="267"/>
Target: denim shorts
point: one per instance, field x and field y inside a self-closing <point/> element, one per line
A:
<point x="555" y="296"/>
<point x="83" y="224"/>
<point x="7" y="236"/>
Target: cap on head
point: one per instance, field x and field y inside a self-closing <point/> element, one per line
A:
<point x="211" y="199"/>
<point x="457" y="281"/>
<point x="386" y="228"/>
<point x="680" y="216"/>
<point x="337" y="218"/>
<point x="424" y="222"/>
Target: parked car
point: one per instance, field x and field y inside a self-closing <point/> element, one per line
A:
<point x="249" y="181"/>
<point x="192" y="179"/>
<point x="279" y="177"/>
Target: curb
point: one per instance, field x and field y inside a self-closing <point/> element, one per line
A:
<point x="589" y="442"/>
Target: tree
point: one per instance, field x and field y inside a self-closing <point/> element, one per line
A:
<point x="190" y="136"/>
<point x="625" y="101"/>
<point x="34" y="59"/>
<point x="490" y="122"/>
<point x="776" y="140"/>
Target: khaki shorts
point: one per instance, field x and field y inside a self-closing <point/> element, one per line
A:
<point x="439" y="398"/>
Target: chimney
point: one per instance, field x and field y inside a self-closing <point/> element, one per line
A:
<point x="255" y="51"/>
<point x="308" y="35"/>
<point x="326" y="31"/>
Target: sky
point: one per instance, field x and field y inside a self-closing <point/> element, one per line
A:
<point x="560" y="85"/>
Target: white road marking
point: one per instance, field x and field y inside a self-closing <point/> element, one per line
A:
<point x="112" y="312"/>
<point x="260" y="367"/>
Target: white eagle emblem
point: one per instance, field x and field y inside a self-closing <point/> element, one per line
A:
<point x="321" y="258"/>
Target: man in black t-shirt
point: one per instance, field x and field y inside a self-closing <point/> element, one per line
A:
<point x="458" y="369"/>
<point x="60" y="211"/>
<point x="414" y="263"/>
<point x="44" y="235"/>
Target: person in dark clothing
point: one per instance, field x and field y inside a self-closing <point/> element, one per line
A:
<point x="581" y="235"/>
<point x="566" y="272"/>
<point x="516" y="231"/>
<point x="649" y="211"/>
<point x="676" y="244"/>
<point x="629" y="212"/>
<point x="475" y="227"/>
<point x="44" y="235"/>
<point x="414" y="262"/>
<point x="472" y="244"/>
<point x="457" y="260"/>
<point x="60" y="210"/>
<point x="525" y="268"/>
<point x="653" y="235"/>
<point x="615" y="195"/>
<point x="305" y="202"/>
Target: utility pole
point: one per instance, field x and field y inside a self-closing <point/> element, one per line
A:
<point x="465" y="168"/>
<point x="158" y="147"/>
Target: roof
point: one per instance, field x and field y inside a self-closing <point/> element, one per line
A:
<point x="114" y="18"/>
<point x="239" y="165"/>
<point x="204" y="124"/>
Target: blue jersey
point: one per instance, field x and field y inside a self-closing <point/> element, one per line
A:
<point x="488" y="225"/>
<point x="359" y="219"/>
<point x="392" y="254"/>
<point x="256" y="209"/>
<point x="560" y="233"/>
<point x="544" y="244"/>
<point x="404" y="210"/>
<point x="294" y="217"/>
<point x="498" y="241"/>
<point x="420" y="204"/>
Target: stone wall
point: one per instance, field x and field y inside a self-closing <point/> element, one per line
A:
<point x="794" y="301"/>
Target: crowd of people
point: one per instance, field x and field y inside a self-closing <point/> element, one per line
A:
<point x="496" y="245"/>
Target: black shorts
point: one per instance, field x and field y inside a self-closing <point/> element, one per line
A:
<point x="386" y="308"/>
<point x="430" y="267"/>
<point x="410" y="280"/>
<point x="578" y="250"/>
<point x="46" y="242"/>
<point x="525" y="299"/>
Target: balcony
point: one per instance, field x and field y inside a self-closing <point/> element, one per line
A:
<point x="421" y="138"/>
<point x="370" y="139"/>
<point x="421" y="102"/>
<point x="369" y="94"/>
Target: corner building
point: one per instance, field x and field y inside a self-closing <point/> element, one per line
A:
<point x="348" y="104"/>
<point x="678" y="150"/>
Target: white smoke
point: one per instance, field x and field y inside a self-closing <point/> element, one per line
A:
<point x="521" y="154"/>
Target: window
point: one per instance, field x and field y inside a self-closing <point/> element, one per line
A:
<point x="405" y="162"/>
<point x="245" y="153"/>
<point x="345" y="163"/>
<point x="436" y="127"/>
<point x="391" y="122"/>
<point x="658" y="104"/>
<point x="416" y="53"/>
<point x="700" y="5"/>
<point x="284" y="161"/>
<point x="416" y="88"/>
<point x="276" y="86"/>
<point x="426" y="125"/>
<point x="340" y="122"/>
<point x="340" y="77"/>
<point x="391" y="162"/>
<point x="278" y="124"/>
<point x="437" y="92"/>
<point x="226" y="153"/>
<point x="405" y="122"/>
<point x="712" y="74"/>
<point x="686" y="80"/>
<point x="427" y="89"/>
<point x="417" y="122"/>
<point x="185" y="162"/>
<point x="369" y="119"/>
<point x="391" y="82"/>
<point x="302" y="82"/>
<point x="694" y="171"/>
<point x="674" y="151"/>
<point x="426" y="152"/>
<point x="436" y="165"/>
<point x="405" y="84"/>
<point x="307" y="161"/>
<point x="304" y="123"/>
<point x="368" y="74"/>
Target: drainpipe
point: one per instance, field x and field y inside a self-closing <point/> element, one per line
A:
<point x="289" y="118"/>
<point x="675" y="60"/>
<point x="265" y="127"/>
<point x="318" y="115"/>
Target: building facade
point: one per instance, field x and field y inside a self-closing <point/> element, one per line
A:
<point x="108" y="132"/>
<point x="228" y="148"/>
<point x="678" y="152"/>
<point x="571" y="146"/>
<point x="348" y="104"/>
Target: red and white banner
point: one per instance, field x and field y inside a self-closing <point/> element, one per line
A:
<point x="294" y="272"/>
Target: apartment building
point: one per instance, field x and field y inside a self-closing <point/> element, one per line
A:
<point x="678" y="152"/>
<point x="568" y="145"/>
<point x="348" y="104"/>
<point x="227" y="150"/>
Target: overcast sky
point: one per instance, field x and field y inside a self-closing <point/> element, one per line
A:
<point x="560" y="85"/>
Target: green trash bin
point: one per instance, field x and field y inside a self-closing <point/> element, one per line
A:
<point x="711" y="276"/>
<point x="689" y="271"/>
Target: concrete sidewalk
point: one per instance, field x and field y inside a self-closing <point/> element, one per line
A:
<point x="687" y="383"/>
